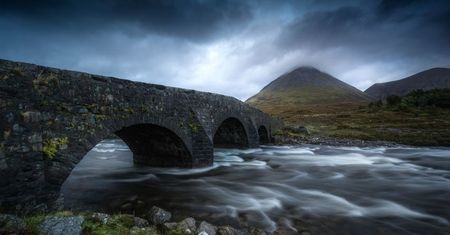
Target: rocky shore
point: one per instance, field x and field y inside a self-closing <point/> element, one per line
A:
<point x="156" y="221"/>
<point x="321" y="140"/>
<point x="295" y="135"/>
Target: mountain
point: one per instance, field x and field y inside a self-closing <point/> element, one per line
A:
<point x="429" y="79"/>
<point x="307" y="90"/>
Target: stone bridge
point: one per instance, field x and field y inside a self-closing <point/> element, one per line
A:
<point x="50" y="119"/>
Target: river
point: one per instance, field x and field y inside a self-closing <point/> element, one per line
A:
<point x="320" y="189"/>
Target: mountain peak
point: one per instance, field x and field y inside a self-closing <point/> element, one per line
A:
<point x="434" y="78"/>
<point x="306" y="88"/>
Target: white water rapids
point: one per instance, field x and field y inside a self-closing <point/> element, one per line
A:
<point x="324" y="189"/>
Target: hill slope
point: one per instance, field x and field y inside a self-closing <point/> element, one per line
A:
<point x="307" y="90"/>
<point x="436" y="78"/>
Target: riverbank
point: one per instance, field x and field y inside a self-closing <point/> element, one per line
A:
<point x="330" y="141"/>
<point x="417" y="127"/>
<point x="156" y="221"/>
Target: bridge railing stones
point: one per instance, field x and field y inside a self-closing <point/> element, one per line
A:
<point x="50" y="118"/>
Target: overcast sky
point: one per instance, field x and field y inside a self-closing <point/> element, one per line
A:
<point x="229" y="47"/>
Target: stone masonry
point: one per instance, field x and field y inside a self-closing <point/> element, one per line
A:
<point x="50" y="119"/>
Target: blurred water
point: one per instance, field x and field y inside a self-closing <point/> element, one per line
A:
<point x="323" y="189"/>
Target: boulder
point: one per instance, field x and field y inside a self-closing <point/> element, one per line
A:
<point x="228" y="230"/>
<point x="206" y="228"/>
<point x="143" y="231"/>
<point x="157" y="215"/>
<point x="10" y="224"/>
<point x="100" y="218"/>
<point x="186" y="226"/>
<point x="61" y="225"/>
<point x="300" y="129"/>
<point x="140" y="223"/>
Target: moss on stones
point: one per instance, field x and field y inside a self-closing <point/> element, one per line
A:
<point x="52" y="146"/>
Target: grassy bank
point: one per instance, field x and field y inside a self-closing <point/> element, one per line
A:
<point x="414" y="127"/>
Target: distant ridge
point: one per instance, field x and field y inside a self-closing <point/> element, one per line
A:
<point x="435" y="78"/>
<point x="307" y="90"/>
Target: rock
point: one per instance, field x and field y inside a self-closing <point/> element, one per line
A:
<point x="100" y="218"/>
<point x="18" y="128"/>
<point x="186" y="226"/>
<point x="143" y="231"/>
<point x="206" y="228"/>
<point x="23" y="149"/>
<point x="256" y="231"/>
<point x="83" y="110"/>
<point x="61" y="225"/>
<point x="140" y="223"/>
<point x="30" y="116"/>
<point x="157" y="215"/>
<point x="228" y="230"/>
<point x="35" y="138"/>
<point x="10" y="224"/>
<point x="128" y="206"/>
<point x="300" y="129"/>
<point x="170" y="226"/>
<point x="284" y="231"/>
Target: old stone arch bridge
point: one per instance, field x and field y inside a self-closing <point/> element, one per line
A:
<point x="51" y="118"/>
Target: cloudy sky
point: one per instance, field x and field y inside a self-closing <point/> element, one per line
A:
<point x="229" y="47"/>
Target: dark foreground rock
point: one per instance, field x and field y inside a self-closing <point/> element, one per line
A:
<point x="157" y="215"/>
<point x="10" y="224"/>
<point x="62" y="226"/>
<point x="68" y="223"/>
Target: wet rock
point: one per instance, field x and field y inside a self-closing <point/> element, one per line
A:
<point x="100" y="218"/>
<point x="228" y="230"/>
<point x="186" y="226"/>
<point x="257" y="231"/>
<point x="285" y="231"/>
<point x="143" y="231"/>
<point x="10" y="224"/>
<point x="61" y="226"/>
<point x="157" y="215"/>
<point x="170" y="225"/>
<point x="140" y="223"/>
<point x="206" y="228"/>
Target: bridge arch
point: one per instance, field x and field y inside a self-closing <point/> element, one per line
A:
<point x="156" y="146"/>
<point x="231" y="133"/>
<point x="263" y="135"/>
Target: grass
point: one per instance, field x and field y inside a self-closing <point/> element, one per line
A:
<point x="117" y="224"/>
<point x="417" y="127"/>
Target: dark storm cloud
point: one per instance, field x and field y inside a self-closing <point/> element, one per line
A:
<point x="390" y="26"/>
<point x="192" y="20"/>
<point x="223" y="45"/>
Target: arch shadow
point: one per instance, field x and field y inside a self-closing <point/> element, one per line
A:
<point x="263" y="135"/>
<point x="155" y="146"/>
<point x="231" y="134"/>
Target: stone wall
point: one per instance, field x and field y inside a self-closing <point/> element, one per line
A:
<point x="50" y="118"/>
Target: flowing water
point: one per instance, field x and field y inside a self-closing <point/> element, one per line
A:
<point x="321" y="189"/>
